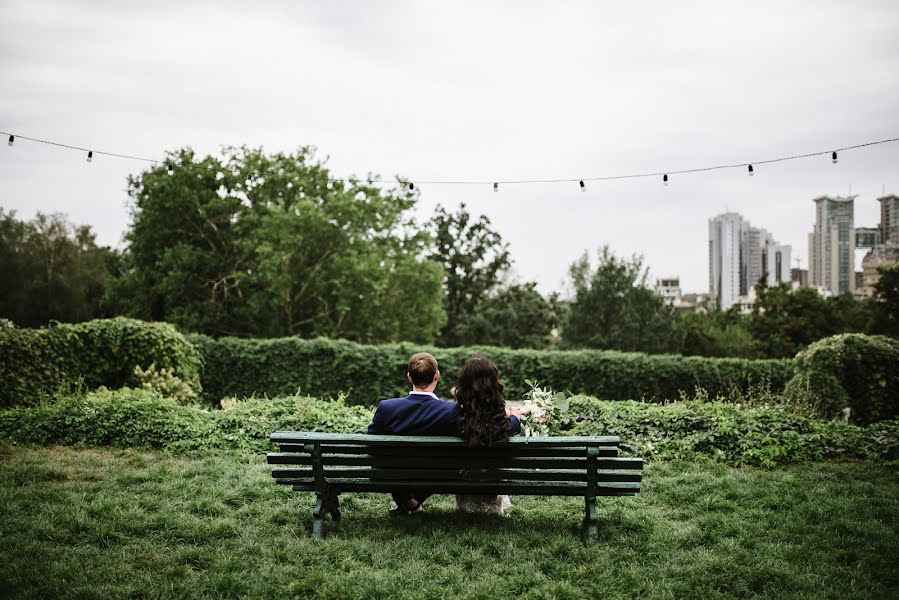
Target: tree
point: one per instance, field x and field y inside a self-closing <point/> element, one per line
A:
<point x="717" y="333"/>
<point x="473" y="257"/>
<point x="517" y="316"/>
<point x="886" y="296"/>
<point x="268" y="245"/>
<point x="51" y="270"/>
<point x="613" y="308"/>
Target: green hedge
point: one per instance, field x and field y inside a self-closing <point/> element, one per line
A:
<point x="710" y="431"/>
<point x="35" y="363"/>
<point x="323" y="367"/>
<point x="848" y="370"/>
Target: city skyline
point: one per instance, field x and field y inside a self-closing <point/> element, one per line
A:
<point x="473" y="91"/>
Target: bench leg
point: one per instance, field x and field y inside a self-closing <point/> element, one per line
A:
<point x="318" y="516"/>
<point x="590" y="531"/>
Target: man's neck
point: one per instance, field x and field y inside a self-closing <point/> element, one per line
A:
<point x="427" y="390"/>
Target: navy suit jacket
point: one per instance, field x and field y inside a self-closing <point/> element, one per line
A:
<point x="421" y="414"/>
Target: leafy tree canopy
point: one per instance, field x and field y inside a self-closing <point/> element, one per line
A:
<point x="613" y="308"/>
<point x="50" y="270"/>
<point x="474" y="259"/>
<point x="517" y="316"/>
<point x="268" y="245"/>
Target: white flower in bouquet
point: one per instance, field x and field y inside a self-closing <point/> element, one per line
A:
<point x="542" y="408"/>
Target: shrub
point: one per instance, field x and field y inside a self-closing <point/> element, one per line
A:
<point x="242" y="367"/>
<point x="712" y="431"/>
<point x="140" y="418"/>
<point x="851" y="369"/>
<point x="35" y="363"/>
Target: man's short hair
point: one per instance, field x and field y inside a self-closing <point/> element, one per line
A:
<point x="422" y="369"/>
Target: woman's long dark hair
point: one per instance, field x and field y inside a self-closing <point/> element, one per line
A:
<point x="480" y="395"/>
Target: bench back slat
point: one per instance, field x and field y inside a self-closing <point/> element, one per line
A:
<point x="448" y="462"/>
<point x="520" y="450"/>
<point x="516" y="488"/>
<point x="493" y="475"/>
<point x="305" y="437"/>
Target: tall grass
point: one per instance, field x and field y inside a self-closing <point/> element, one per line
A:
<point x="94" y="523"/>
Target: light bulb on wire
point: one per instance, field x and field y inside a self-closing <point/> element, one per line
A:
<point x="90" y="156"/>
<point x="495" y="186"/>
<point x="12" y="139"/>
<point x="834" y="158"/>
<point x="665" y="180"/>
<point x="751" y="172"/>
<point x="583" y="187"/>
<point x="411" y="186"/>
<point x="169" y="169"/>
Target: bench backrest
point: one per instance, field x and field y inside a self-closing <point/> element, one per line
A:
<point x="570" y="466"/>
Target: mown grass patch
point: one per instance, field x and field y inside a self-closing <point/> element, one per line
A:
<point x="106" y="523"/>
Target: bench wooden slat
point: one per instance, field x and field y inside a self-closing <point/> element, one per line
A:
<point x="301" y="437"/>
<point x="512" y="487"/>
<point x="457" y="475"/>
<point x="449" y="462"/>
<point x="518" y="450"/>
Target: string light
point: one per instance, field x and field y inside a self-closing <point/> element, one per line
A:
<point x="411" y="186"/>
<point x="581" y="182"/>
<point x="665" y="180"/>
<point x="90" y="156"/>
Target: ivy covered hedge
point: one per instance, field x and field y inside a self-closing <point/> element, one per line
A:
<point x="709" y="431"/>
<point x="35" y="363"/>
<point x="323" y="367"/>
<point x="851" y="370"/>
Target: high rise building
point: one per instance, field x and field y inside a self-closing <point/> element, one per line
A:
<point x="669" y="289"/>
<point x="739" y="256"/>
<point x="831" y="245"/>
<point x="889" y="219"/>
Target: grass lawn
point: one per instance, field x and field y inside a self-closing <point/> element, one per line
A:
<point x="96" y="523"/>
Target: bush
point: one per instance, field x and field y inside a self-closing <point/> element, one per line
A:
<point x="710" y="431"/>
<point x="855" y="370"/>
<point x="36" y="363"/>
<point x="756" y="436"/>
<point x="242" y="367"/>
<point x="140" y="418"/>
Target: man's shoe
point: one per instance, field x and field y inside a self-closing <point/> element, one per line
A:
<point x="397" y="510"/>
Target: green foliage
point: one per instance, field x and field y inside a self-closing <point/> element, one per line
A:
<point x="50" y="269"/>
<point x="516" y="316"/>
<point x="267" y="245"/>
<point x="141" y="418"/>
<point x="886" y="295"/>
<point x="737" y="435"/>
<point x="473" y="257"/>
<point x="715" y="431"/>
<point x="613" y="308"/>
<point x="785" y="321"/>
<point x="166" y="383"/>
<point x="717" y="333"/>
<point x="849" y="370"/>
<point x="238" y="367"/>
<point x="39" y="362"/>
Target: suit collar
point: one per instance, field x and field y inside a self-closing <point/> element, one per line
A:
<point x="423" y="395"/>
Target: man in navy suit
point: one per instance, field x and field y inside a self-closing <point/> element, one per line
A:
<point x="420" y="413"/>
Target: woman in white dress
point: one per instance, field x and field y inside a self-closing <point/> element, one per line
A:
<point x="485" y="420"/>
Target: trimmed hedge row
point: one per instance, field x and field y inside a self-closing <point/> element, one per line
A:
<point x="323" y="367"/>
<point x="710" y="431"/>
<point x="35" y="363"/>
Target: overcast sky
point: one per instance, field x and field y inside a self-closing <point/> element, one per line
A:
<point x="480" y="90"/>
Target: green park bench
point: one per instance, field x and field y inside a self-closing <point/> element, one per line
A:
<point x="330" y="464"/>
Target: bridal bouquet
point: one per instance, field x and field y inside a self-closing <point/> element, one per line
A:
<point x="542" y="409"/>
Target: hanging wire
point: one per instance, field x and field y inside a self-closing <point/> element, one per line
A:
<point x="495" y="182"/>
